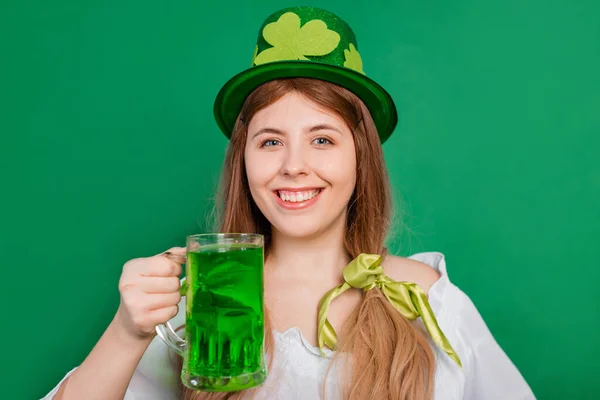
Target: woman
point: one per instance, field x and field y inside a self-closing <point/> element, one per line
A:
<point x="305" y="168"/>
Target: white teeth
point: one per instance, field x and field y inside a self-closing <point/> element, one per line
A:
<point x="296" y="197"/>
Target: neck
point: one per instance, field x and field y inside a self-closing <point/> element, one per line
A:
<point x="322" y="255"/>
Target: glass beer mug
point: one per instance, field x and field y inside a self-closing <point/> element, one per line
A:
<point x="223" y="349"/>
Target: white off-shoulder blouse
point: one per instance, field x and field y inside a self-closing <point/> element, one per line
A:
<point x="298" y="368"/>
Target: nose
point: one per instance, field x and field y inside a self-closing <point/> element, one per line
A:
<point x="294" y="163"/>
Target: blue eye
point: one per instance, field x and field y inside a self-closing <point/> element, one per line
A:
<point x="270" y="143"/>
<point x="322" y="141"/>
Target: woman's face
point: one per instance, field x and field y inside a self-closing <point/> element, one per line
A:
<point x="301" y="166"/>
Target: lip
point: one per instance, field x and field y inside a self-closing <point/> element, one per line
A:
<point x="299" y="205"/>
<point x="300" y="189"/>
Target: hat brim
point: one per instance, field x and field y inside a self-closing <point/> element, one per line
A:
<point x="232" y="95"/>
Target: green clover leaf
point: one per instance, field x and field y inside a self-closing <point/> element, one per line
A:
<point x="353" y="59"/>
<point x="292" y="42"/>
<point x="254" y="56"/>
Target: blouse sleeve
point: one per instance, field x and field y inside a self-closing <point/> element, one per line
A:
<point x="487" y="373"/>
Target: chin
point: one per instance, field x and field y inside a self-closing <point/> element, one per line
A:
<point x="299" y="230"/>
<point x="305" y="227"/>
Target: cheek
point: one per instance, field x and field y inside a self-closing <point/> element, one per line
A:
<point x="339" y="169"/>
<point x="259" y="170"/>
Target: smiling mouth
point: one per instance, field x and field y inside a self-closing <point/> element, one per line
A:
<point x="297" y="198"/>
<point x="289" y="196"/>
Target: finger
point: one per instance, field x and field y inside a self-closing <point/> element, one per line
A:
<point x="156" y="301"/>
<point x="163" y="315"/>
<point x="159" y="284"/>
<point x="160" y="266"/>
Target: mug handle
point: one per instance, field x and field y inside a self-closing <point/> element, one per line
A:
<point x="165" y="331"/>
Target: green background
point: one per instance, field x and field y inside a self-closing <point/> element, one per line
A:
<point x="109" y="151"/>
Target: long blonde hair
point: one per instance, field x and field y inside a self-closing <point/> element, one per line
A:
<point x="391" y="358"/>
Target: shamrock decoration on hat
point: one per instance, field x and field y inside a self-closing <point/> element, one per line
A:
<point x="291" y="41"/>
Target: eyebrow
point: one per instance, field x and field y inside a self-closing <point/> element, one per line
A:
<point x="267" y="130"/>
<point x="324" y="127"/>
<point x="316" y="128"/>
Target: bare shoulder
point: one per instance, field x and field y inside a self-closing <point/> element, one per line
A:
<point x="407" y="270"/>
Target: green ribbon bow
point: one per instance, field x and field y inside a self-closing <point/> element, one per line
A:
<point x="365" y="272"/>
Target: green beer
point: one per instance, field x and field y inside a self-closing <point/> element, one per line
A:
<point x="224" y="317"/>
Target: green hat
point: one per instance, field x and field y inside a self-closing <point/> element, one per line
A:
<point x="312" y="43"/>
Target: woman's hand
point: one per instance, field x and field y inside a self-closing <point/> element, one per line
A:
<point x="149" y="290"/>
